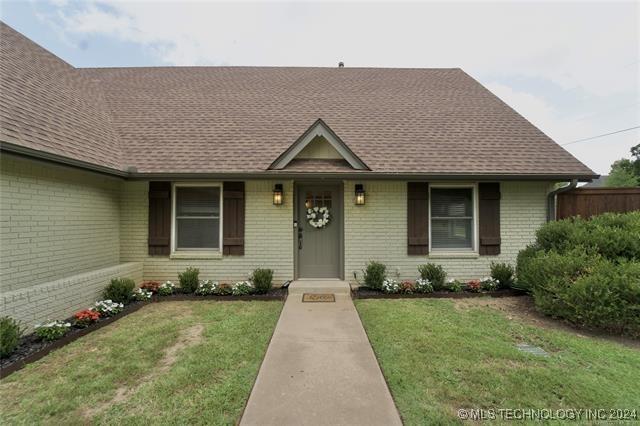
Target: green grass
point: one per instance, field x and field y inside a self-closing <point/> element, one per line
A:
<point x="209" y="382"/>
<point x="437" y="359"/>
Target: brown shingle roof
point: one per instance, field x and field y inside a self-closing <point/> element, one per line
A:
<point x="240" y="119"/>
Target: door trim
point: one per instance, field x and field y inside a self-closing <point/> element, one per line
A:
<point x="340" y="195"/>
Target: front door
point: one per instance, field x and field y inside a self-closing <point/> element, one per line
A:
<point x="319" y="246"/>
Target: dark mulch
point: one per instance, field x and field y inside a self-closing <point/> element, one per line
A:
<point x="273" y="294"/>
<point x="369" y="293"/>
<point x="31" y="348"/>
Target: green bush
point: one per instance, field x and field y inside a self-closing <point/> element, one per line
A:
<point x="10" y="334"/>
<point x="586" y="271"/>
<point x="119" y="290"/>
<point x="375" y="274"/>
<point x="503" y="273"/>
<point x="607" y="298"/>
<point x="614" y="236"/>
<point x="435" y="274"/>
<point x="454" y="286"/>
<point x="262" y="279"/>
<point x="524" y="278"/>
<point x="189" y="279"/>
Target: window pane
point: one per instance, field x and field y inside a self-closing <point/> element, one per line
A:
<point x="451" y="202"/>
<point x="198" y="233"/>
<point x="452" y="218"/>
<point x="198" y="201"/>
<point x="451" y="233"/>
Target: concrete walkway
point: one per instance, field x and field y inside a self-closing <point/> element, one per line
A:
<point x="319" y="368"/>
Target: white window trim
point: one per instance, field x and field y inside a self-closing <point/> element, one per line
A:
<point x="448" y="252"/>
<point x="193" y="253"/>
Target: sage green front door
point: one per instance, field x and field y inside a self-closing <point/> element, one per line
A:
<point x="319" y="247"/>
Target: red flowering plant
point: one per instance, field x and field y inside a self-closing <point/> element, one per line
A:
<point x="151" y="286"/>
<point x="86" y="317"/>
<point x="474" y="286"/>
<point x="407" y="287"/>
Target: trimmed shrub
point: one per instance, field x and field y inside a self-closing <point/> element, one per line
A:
<point x="262" y="280"/>
<point x="119" y="290"/>
<point x="189" y="279"/>
<point x="587" y="271"/>
<point x="435" y="274"/>
<point x="525" y="281"/>
<point x="503" y="273"/>
<point x="607" y="298"/>
<point x="10" y="334"/>
<point x="375" y="274"/>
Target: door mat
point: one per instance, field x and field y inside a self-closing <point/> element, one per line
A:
<point x="318" y="297"/>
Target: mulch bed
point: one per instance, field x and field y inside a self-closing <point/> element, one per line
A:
<point x="368" y="293"/>
<point x="31" y="348"/>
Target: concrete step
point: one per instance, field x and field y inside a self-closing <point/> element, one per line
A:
<point x="319" y="286"/>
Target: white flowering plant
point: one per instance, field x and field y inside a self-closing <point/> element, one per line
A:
<point x="167" y="288"/>
<point x="141" y="295"/>
<point x="207" y="287"/>
<point x="390" y="286"/>
<point x="108" y="308"/>
<point x="423" y="285"/>
<point x="242" y="287"/>
<point x="52" y="330"/>
<point x="318" y="217"/>
<point x="489" y="284"/>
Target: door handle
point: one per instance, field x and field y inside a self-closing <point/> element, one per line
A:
<point x="299" y="239"/>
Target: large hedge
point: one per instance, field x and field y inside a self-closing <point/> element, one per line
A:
<point x="586" y="271"/>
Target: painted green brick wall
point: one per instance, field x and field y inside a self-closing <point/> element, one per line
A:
<point x="54" y="222"/>
<point x="378" y="230"/>
<point x="268" y="236"/>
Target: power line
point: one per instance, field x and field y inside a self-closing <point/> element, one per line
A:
<point x="601" y="136"/>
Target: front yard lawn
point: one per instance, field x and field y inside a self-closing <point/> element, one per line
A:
<point x="441" y="355"/>
<point x="169" y="363"/>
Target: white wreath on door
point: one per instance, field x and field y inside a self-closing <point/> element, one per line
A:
<point x="318" y="217"/>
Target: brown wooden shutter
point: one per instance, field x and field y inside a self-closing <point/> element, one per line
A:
<point x="233" y="219"/>
<point x="417" y="218"/>
<point x="489" y="218"/>
<point x="159" y="218"/>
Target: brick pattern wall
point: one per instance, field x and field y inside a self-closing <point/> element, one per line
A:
<point x="378" y="230"/>
<point x="268" y="236"/>
<point x="54" y="222"/>
<point x="62" y="298"/>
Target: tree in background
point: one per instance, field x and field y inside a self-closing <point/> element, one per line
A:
<point x="626" y="172"/>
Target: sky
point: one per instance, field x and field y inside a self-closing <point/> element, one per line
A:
<point x="571" y="68"/>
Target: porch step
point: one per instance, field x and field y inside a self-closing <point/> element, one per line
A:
<point x="319" y="286"/>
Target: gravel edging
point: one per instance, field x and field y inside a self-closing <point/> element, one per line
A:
<point x="374" y="294"/>
<point x="32" y="349"/>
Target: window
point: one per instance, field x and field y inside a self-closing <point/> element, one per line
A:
<point x="197" y="217"/>
<point x="452" y="218"/>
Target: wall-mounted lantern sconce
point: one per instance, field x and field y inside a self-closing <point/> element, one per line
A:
<point x="359" y="194"/>
<point x="278" y="194"/>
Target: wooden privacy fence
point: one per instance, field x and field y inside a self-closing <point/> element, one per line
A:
<point x="587" y="202"/>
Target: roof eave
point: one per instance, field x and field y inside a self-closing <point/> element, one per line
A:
<point x="283" y="174"/>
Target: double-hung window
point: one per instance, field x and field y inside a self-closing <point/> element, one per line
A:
<point x="452" y="215"/>
<point x="197" y="217"/>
